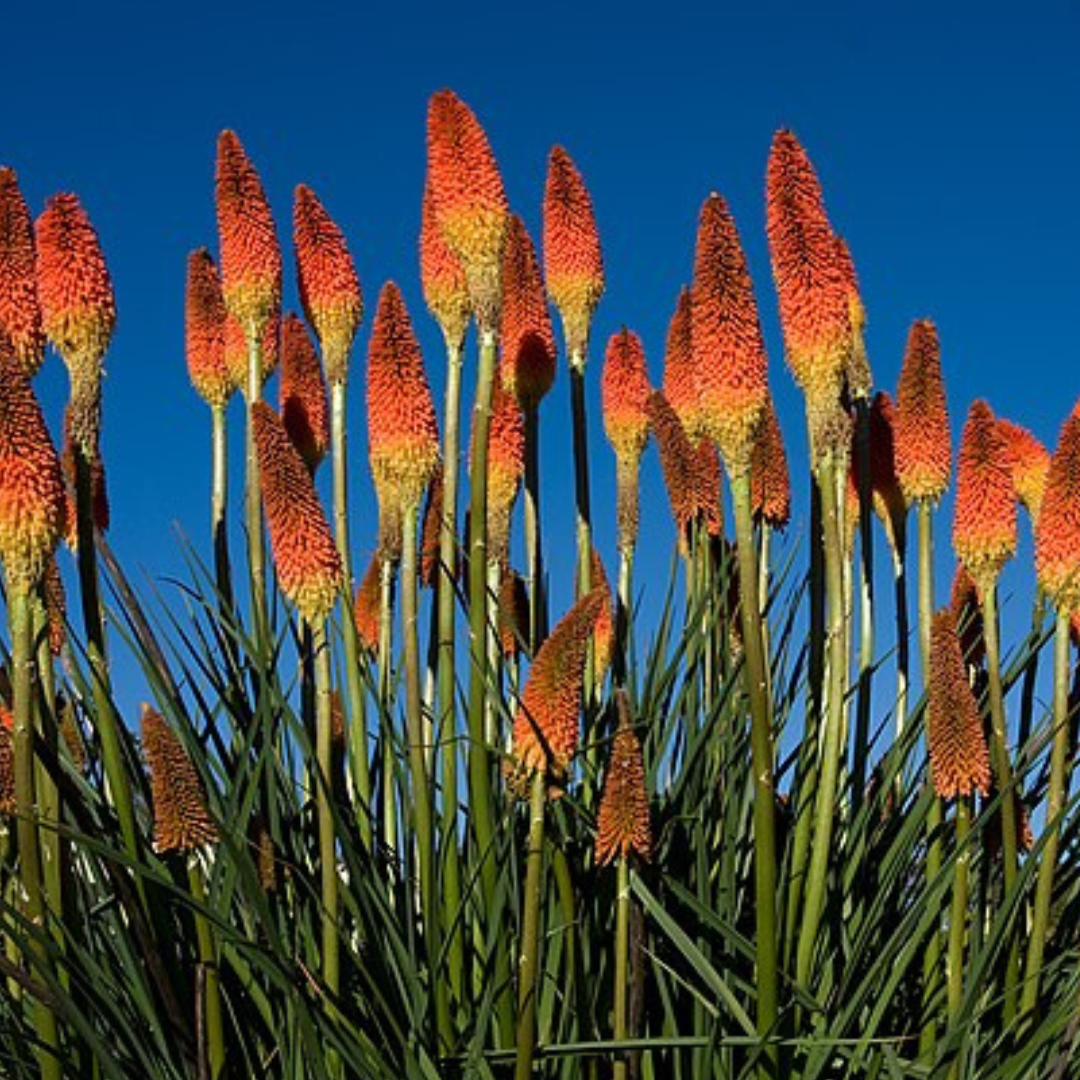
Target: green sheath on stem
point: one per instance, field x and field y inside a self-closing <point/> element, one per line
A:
<point x="530" y="931"/>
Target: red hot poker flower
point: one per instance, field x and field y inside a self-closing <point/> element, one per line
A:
<point x="984" y="524"/>
<point x="366" y="605"/>
<point x="959" y="762"/>
<point x="469" y="199"/>
<point x="547" y="723"/>
<point x="250" y="255"/>
<point x="329" y="286"/>
<point x="680" y="377"/>
<point x="506" y="467"/>
<point x="888" y="499"/>
<point x="446" y="292"/>
<point x="31" y="484"/>
<point x="1030" y="463"/>
<point x="573" y="263"/>
<point x="622" y="823"/>
<point x="770" y="484"/>
<point x="204" y="336"/>
<point x="528" y="344"/>
<point x="403" y="430"/>
<point x="859" y="378"/>
<point x="1057" y="529"/>
<point x="20" y="311"/>
<point x="728" y="349"/>
<point x="305" y="555"/>
<point x="303" y="393"/>
<point x="922" y="440"/>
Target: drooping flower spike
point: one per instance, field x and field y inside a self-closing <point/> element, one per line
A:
<point x="624" y="392"/>
<point x="922" y="442"/>
<point x="680" y="376"/>
<point x="812" y="285"/>
<point x="528" y="344"/>
<point x="573" y="263"/>
<point x="1030" y="463"/>
<point x="728" y="349"/>
<point x="984" y="522"/>
<point x="204" y="331"/>
<point x="32" y="505"/>
<point x="469" y="200"/>
<point x="250" y="254"/>
<point x="1057" y="529"/>
<point x="182" y="821"/>
<point x="20" y="310"/>
<point x="403" y="430"/>
<point x="442" y="278"/>
<point x="305" y="555"/>
<point x="770" y="483"/>
<point x="547" y="723"/>
<point x="622" y="823"/>
<point x="304" y="409"/>
<point x="959" y="760"/>
<point x="329" y="286"/>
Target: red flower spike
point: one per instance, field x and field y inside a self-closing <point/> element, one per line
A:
<point x="728" y="349"/>
<point x="77" y="304"/>
<point x="812" y="284"/>
<point x="770" y="483"/>
<point x="20" y="311"/>
<point x="528" y="344"/>
<point x="429" y="534"/>
<point x="506" y="467"/>
<point x="470" y="202"/>
<point x="984" y="524"/>
<point x="964" y="602"/>
<point x="204" y="331"/>
<point x="573" y="263"/>
<point x="710" y="498"/>
<point x="680" y="376"/>
<point x="181" y="819"/>
<point x="921" y="430"/>
<point x="250" y="255"/>
<point x="1030" y="463"/>
<point x="329" y="287"/>
<point x="959" y="761"/>
<point x="604" y="627"/>
<point x="7" y="764"/>
<point x="547" y="724"/>
<point x="403" y="431"/>
<point x="366" y="606"/>
<point x="32" y="504"/>
<point x="304" y="409"/>
<point x="1057" y="529"/>
<point x="305" y="555"/>
<point x="622" y="821"/>
<point x="236" y="351"/>
<point x="446" y="292"/>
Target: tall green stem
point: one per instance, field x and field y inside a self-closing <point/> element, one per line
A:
<point x="824" y="803"/>
<point x="762" y="753"/>
<point x="211" y="977"/>
<point x="530" y="931"/>
<point x="958" y="917"/>
<point x="386" y="636"/>
<point x="1055" y="801"/>
<point x="622" y="964"/>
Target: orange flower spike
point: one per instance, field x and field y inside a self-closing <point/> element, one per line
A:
<point x="20" y="311"/>
<point x="921" y="430"/>
<point x="506" y="467"/>
<point x="1030" y="462"/>
<point x="967" y="616"/>
<point x="680" y="377"/>
<point x="770" y="483"/>
<point x="528" y="344"/>
<point x="622" y="822"/>
<point x="546" y="726"/>
<point x="204" y="331"/>
<point x="7" y="764"/>
<point x="403" y="430"/>
<point x="984" y="522"/>
<point x="32" y="506"/>
<point x="366" y="606"/>
<point x="604" y="628"/>
<point x="859" y="378"/>
<point x="181" y="819"/>
<point x="1057" y="529"/>
<point x="429" y="533"/>
<point x="812" y="284"/>
<point x="469" y="200"/>
<point x="329" y="286"/>
<point x="305" y="555"/>
<point x="678" y="462"/>
<point x="728" y="349"/>
<point x="573" y="263"/>
<point x="888" y="499"/>
<point x="624" y="393"/>
<point x="304" y="410"/>
<point x="710" y="498"/>
<point x="250" y="255"/>
<point x="442" y="279"/>
<point x="959" y="761"/>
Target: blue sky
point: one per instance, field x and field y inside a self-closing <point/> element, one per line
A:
<point x="946" y="137"/>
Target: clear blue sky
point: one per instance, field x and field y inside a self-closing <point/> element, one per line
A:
<point x="947" y="137"/>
